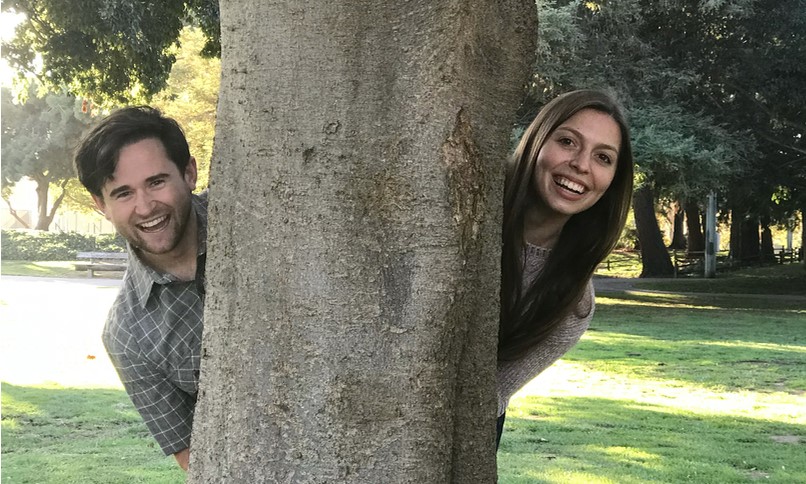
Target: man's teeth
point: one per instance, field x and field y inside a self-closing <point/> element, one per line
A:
<point x="568" y="184"/>
<point x="153" y="223"/>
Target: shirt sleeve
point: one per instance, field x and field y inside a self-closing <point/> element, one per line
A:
<point x="166" y="409"/>
<point x="514" y="375"/>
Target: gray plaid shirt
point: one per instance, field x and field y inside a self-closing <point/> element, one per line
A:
<point x="153" y="337"/>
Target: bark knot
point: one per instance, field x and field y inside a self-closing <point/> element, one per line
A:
<point x="465" y="180"/>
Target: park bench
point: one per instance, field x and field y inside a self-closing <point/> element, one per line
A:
<point x="101" y="261"/>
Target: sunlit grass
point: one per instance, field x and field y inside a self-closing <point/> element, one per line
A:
<point x="61" y="269"/>
<point x="668" y="388"/>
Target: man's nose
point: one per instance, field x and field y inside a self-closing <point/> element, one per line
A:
<point x="143" y="204"/>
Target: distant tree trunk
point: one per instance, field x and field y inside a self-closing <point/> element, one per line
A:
<point x="678" y="235"/>
<point x="767" y="249"/>
<point x="803" y="233"/>
<point x="45" y="216"/>
<point x="353" y="266"/>
<point x="696" y="238"/>
<point x="654" y="257"/>
<point x="744" y="237"/>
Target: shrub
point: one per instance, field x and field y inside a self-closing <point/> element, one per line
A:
<point x="39" y="245"/>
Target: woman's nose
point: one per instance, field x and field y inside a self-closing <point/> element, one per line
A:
<point x="581" y="161"/>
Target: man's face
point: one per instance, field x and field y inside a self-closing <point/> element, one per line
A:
<point x="147" y="199"/>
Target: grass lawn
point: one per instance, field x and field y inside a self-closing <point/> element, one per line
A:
<point x="669" y="388"/>
<point x="63" y="269"/>
<point x="664" y="388"/>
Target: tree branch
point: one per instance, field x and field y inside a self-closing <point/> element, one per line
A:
<point x="59" y="199"/>
<point x="14" y="214"/>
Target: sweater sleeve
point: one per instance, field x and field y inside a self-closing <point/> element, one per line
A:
<point x="515" y="374"/>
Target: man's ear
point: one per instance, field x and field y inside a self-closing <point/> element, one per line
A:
<point x="191" y="173"/>
<point x="99" y="204"/>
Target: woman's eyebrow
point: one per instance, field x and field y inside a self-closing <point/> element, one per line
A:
<point x="577" y="133"/>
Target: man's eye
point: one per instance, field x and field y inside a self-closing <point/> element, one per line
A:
<point x="122" y="195"/>
<point x="157" y="183"/>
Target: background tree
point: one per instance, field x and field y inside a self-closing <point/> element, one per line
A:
<point x="38" y="138"/>
<point x="751" y="60"/>
<point x="190" y="96"/>
<point x="112" y="52"/>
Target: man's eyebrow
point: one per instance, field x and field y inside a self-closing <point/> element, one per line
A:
<point x="119" y="189"/>
<point x="602" y="145"/>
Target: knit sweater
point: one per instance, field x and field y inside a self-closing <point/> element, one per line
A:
<point x="514" y="374"/>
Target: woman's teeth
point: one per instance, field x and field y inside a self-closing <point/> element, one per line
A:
<point x="569" y="185"/>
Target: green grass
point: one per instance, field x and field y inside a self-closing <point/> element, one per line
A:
<point x="786" y="279"/>
<point x="41" y="268"/>
<point x="669" y="388"/>
<point x="48" y="269"/>
<point x="664" y="388"/>
<point x="53" y="434"/>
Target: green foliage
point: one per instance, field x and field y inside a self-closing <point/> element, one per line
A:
<point x="112" y="52"/>
<point x="46" y="246"/>
<point x="38" y="139"/>
<point x="191" y="96"/>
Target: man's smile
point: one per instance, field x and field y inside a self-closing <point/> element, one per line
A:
<point x="154" y="225"/>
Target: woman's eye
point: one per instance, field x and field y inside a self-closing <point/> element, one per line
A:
<point x="566" y="141"/>
<point x="605" y="159"/>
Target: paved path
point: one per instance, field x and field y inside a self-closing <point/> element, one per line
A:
<point x="50" y="331"/>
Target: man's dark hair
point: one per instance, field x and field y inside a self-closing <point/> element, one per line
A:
<point x="97" y="154"/>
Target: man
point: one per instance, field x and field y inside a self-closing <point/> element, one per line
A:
<point x="137" y="166"/>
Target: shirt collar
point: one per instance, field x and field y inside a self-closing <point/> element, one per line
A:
<point x="143" y="277"/>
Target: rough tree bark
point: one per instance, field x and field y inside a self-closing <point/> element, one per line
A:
<point x="354" y="244"/>
<point x="655" y="259"/>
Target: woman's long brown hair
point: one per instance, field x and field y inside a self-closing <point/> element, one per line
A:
<point x="529" y="313"/>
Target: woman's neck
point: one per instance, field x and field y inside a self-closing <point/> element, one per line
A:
<point x="542" y="229"/>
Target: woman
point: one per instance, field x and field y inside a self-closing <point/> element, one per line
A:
<point x="567" y="194"/>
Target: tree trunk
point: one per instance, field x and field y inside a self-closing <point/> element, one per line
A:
<point x="803" y="234"/>
<point x="42" y="220"/>
<point x="750" y="244"/>
<point x="678" y="236"/>
<point x="767" y="249"/>
<point x="654" y="257"/>
<point x="354" y="241"/>
<point x="696" y="238"/>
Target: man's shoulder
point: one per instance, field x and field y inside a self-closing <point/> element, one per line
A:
<point x="202" y="197"/>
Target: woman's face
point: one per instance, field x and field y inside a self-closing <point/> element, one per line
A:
<point x="577" y="163"/>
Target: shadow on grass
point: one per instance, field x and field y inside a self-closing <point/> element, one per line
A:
<point x="53" y="434"/>
<point x="557" y="440"/>
<point x="706" y="302"/>
<point x="728" y="364"/>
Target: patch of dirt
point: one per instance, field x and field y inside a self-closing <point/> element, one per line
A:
<point x="757" y="475"/>
<point x="786" y="439"/>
